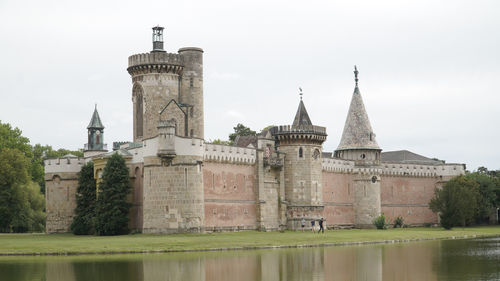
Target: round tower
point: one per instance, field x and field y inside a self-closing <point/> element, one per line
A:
<point x="358" y="144"/>
<point x="156" y="78"/>
<point x="302" y="144"/>
<point x="191" y="94"/>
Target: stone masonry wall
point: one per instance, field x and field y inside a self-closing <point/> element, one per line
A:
<point x="230" y="192"/>
<point x="409" y="198"/>
<point x="338" y="198"/>
<point x="173" y="195"/>
<point x="60" y="190"/>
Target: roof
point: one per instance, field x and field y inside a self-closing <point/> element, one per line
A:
<point x="358" y="133"/>
<point x="301" y="118"/>
<point x="407" y="157"/>
<point x="245" y="141"/>
<point x="95" y="122"/>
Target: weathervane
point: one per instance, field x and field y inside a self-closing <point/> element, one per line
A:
<point x="356" y="75"/>
<point x="300" y="94"/>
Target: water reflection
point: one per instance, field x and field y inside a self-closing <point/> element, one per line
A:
<point x="436" y="260"/>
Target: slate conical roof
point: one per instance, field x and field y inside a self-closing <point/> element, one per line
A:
<point x="358" y="133"/>
<point x="301" y="118"/>
<point x="95" y="122"/>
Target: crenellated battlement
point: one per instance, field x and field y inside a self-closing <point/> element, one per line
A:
<point x="229" y="154"/>
<point x="156" y="62"/>
<point x="63" y="165"/>
<point x="337" y="165"/>
<point x="416" y="170"/>
<point x="299" y="134"/>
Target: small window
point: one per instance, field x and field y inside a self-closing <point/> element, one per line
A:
<point x="301" y="153"/>
<point x="191" y="112"/>
<point x="191" y="82"/>
<point x="363" y="156"/>
<point x="191" y="133"/>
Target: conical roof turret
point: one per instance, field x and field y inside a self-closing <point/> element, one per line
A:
<point x="358" y="133"/>
<point x="95" y="122"/>
<point x="301" y="117"/>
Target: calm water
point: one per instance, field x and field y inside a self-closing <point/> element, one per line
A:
<point x="477" y="259"/>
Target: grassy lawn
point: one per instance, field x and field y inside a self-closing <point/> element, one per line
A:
<point x="68" y="243"/>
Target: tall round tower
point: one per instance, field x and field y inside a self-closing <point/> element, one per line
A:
<point x="156" y="78"/>
<point x="359" y="145"/>
<point x="191" y="94"/>
<point x="302" y="144"/>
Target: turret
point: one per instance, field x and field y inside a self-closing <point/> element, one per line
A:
<point x="301" y="142"/>
<point x="358" y="143"/>
<point x="95" y="132"/>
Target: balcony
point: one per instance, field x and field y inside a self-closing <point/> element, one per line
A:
<point x="274" y="162"/>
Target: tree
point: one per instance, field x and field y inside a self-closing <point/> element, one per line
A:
<point x="456" y="202"/>
<point x="83" y="221"/>
<point x="219" y="141"/>
<point x="487" y="198"/>
<point x="241" y="130"/>
<point x="21" y="203"/>
<point x="112" y="206"/>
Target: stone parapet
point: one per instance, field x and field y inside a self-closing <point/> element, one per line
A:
<point x="156" y="62"/>
<point x="337" y="165"/>
<point x="63" y="165"/>
<point x="416" y="170"/>
<point x="229" y="154"/>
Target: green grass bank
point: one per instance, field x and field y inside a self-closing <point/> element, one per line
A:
<point x="45" y="244"/>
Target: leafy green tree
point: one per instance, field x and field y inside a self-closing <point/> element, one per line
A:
<point x="83" y="221"/>
<point x="219" y="141"/>
<point x="487" y="198"/>
<point x="112" y="206"/>
<point x="13" y="175"/>
<point x="241" y="130"/>
<point x="456" y="202"/>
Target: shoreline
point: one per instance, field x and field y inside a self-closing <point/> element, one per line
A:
<point x="243" y="248"/>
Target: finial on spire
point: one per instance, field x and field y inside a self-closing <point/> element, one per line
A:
<point x="95" y="107"/>
<point x="300" y="93"/>
<point x="356" y="75"/>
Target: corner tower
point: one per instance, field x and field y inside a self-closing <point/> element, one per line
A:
<point x="158" y="78"/>
<point x="302" y="144"/>
<point x="359" y="145"/>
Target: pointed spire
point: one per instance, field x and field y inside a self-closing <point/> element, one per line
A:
<point x="301" y="117"/>
<point x="356" y="72"/>
<point x="358" y="133"/>
<point x="95" y="122"/>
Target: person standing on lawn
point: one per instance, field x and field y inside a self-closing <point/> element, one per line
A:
<point x="321" y="229"/>
<point x="303" y="224"/>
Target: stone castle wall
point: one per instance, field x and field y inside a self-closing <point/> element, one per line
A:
<point x="230" y="196"/>
<point x="173" y="195"/>
<point x="61" y="183"/>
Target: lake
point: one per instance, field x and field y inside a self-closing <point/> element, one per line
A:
<point x="469" y="259"/>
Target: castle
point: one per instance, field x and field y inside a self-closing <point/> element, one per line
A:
<point x="266" y="182"/>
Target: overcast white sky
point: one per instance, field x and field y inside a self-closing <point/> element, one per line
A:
<point x="428" y="68"/>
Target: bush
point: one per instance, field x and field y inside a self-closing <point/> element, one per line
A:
<point x="398" y="221"/>
<point x="379" y="222"/>
<point x="427" y="224"/>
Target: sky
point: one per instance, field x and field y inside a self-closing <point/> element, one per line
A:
<point x="428" y="69"/>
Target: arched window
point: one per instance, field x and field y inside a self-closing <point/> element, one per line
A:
<point x="139" y="109"/>
<point x="301" y="152"/>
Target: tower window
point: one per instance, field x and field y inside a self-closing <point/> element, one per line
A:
<point x="191" y="82"/>
<point x="191" y="112"/>
<point x="192" y="132"/>
<point x="301" y="152"/>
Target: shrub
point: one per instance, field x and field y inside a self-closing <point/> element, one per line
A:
<point x="398" y="221"/>
<point x="379" y="222"/>
<point x="427" y="224"/>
